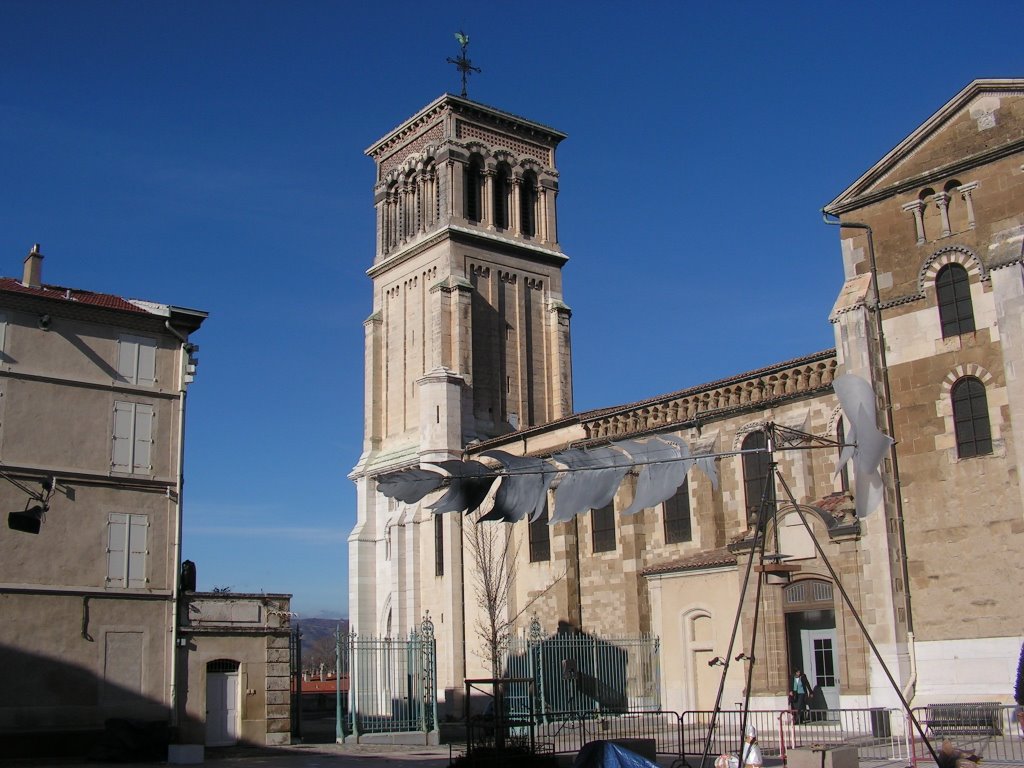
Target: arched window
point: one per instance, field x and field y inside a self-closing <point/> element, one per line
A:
<point x="474" y="188"/>
<point x="439" y="545"/>
<point x="953" y="291"/>
<point x="844" y="473"/>
<point x="970" y="418"/>
<point x="756" y="473"/>
<point x="540" y="538"/>
<point x="603" y="523"/>
<point x="677" y="516"/>
<point x="502" y="195"/>
<point x="528" y="204"/>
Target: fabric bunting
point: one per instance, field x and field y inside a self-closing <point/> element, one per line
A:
<point x="524" y="488"/>
<point x="590" y="481"/>
<point x="585" y="479"/>
<point x="869" y="444"/>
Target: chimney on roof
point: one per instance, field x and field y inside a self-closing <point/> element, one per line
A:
<point x="32" y="275"/>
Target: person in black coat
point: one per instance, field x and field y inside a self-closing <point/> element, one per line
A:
<point x="799" y="695"/>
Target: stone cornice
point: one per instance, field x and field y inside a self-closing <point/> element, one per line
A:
<point x="853" y="197"/>
<point x="455" y="232"/>
<point x="715" y="401"/>
<point x="465" y="107"/>
<point x="923" y="179"/>
<point x="701" y="404"/>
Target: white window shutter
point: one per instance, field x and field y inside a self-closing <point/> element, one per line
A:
<point x="138" y="527"/>
<point x="117" y="541"/>
<point x="147" y="362"/>
<point x="124" y="427"/>
<point x="142" y="457"/>
<point x="127" y="357"/>
<point x="3" y="331"/>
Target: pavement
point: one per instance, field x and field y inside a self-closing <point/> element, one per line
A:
<point x="293" y="756"/>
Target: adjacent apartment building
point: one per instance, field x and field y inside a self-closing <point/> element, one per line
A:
<point x="92" y="416"/>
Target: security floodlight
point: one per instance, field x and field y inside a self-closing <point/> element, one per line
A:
<point x="28" y="520"/>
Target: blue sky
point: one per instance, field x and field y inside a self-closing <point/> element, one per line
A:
<point x="209" y="154"/>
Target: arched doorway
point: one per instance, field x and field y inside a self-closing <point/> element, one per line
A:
<point x="702" y="679"/>
<point x="223" y="703"/>
<point x="811" y="638"/>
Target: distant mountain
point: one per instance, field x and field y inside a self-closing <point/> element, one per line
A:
<point x="314" y="630"/>
<point x="319" y="646"/>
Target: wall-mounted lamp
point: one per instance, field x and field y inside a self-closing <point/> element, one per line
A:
<point x="29" y="519"/>
<point x="44" y="322"/>
<point x="718" y="661"/>
<point x="744" y="657"/>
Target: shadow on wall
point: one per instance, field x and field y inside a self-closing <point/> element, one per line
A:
<point x="49" y="708"/>
<point x="580" y="672"/>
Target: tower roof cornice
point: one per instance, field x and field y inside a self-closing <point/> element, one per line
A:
<point x="465" y="107"/>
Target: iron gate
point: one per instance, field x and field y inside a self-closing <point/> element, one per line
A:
<point x="392" y="682"/>
<point x="575" y="672"/>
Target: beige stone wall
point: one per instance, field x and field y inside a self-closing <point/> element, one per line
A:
<point x="80" y="647"/>
<point x="252" y="630"/>
<point x="956" y="510"/>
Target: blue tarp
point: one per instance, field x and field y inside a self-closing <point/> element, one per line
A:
<point x="608" y="754"/>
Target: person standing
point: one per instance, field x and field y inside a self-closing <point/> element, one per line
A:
<point x="800" y="689"/>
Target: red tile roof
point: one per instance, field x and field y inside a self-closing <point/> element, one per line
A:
<point x="59" y="293"/>
<point x="711" y="559"/>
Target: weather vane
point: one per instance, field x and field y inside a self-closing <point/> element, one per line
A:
<point x="462" y="63"/>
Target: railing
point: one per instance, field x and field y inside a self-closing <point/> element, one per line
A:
<point x="878" y="734"/>
<point x="990" y="731"/>
<point x="392" y="682"/>
<point x="584" y="674"/>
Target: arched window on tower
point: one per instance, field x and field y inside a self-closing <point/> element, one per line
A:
<point x="474" y="188"/>
<point x="528" y="204"/>
<point x="757" y="480"/>
<point x="953" y="292"/>
<point x="970" y="418"/>
<point x="844" y="473"/>
<point x="502" y="195"/>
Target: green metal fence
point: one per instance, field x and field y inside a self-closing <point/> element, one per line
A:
<point x="575" y="672"/>
<point x="392" y="682"/>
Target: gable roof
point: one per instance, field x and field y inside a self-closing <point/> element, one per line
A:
<point x="60" y="293"/>
<point x="857" y="195"/>
<point x="188" y="319"/>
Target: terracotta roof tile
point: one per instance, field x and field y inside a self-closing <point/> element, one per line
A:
<point x="74" y="295"/>
<point x="712" y="558"/>
<point x="835" y="503"/>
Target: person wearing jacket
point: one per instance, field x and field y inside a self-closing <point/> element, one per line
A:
<point x="799" y="693"/>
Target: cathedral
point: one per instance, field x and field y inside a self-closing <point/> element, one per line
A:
<point x="467" y="351"/>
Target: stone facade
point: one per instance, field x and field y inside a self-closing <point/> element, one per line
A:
<point x="245" y="638"/>
<point x="935" y="222"/>
<point x="949" y="198"/>
<point x="468" y="339"/>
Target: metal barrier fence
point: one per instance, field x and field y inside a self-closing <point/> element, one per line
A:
<point x="392" y="682"/>
<point x="566" y="732"/>
<point x="878" y="734"/>
<point x="991" y="731"/>
<point x="576" y="672"/>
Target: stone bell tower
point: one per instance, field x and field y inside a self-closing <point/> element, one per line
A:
<point x="468" y="340"/>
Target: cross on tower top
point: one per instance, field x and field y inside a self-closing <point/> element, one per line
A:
<point x="462" y="62"/>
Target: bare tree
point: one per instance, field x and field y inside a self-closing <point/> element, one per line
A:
<point x="495" y="554"/>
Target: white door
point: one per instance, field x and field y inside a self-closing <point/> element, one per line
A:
<point x="819" y="646"/>
<point x="221" y="709"/>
